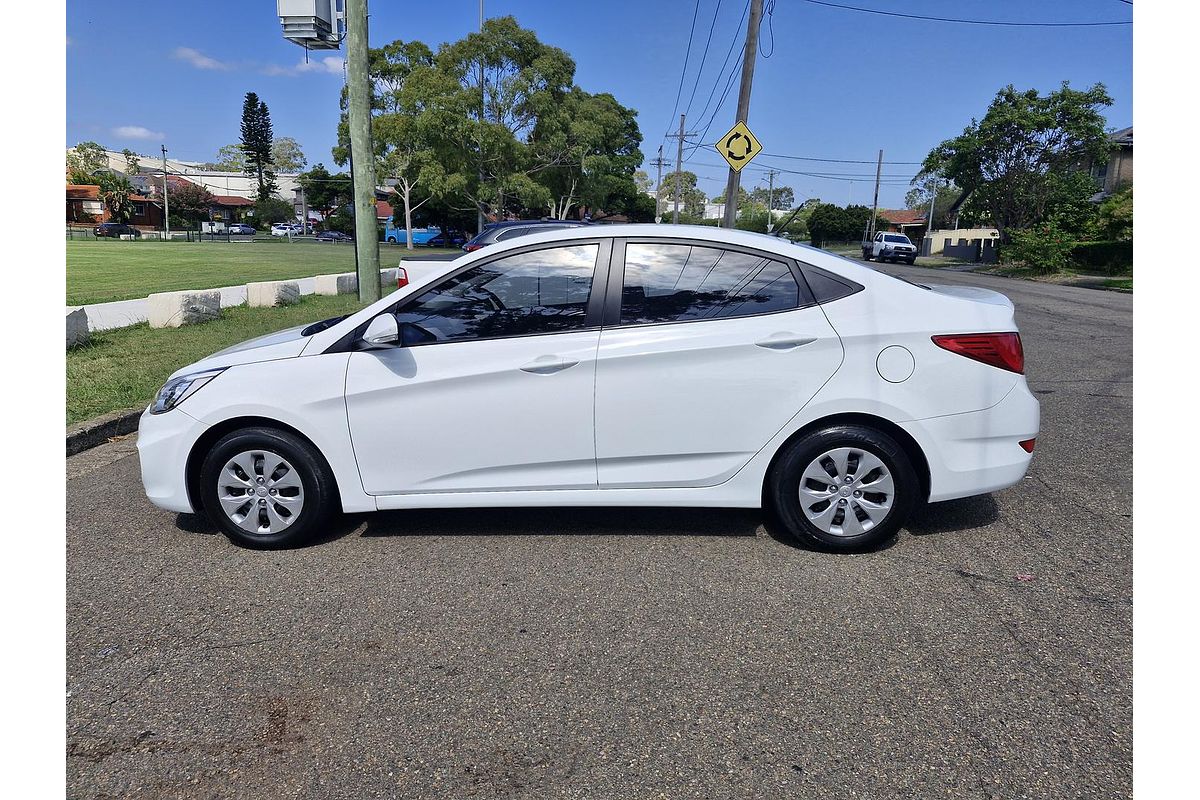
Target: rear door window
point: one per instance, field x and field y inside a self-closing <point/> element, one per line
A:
<point x="683" y="282"/>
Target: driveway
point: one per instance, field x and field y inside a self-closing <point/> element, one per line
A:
<point x="629" y="653"/>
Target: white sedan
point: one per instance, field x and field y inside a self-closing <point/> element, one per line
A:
<point x="609" y="366"/>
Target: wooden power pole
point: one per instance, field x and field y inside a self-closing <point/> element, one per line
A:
<point x="362" y="152"/>
<point x="743" y="109"/>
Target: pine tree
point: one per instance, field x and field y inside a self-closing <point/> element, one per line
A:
<point x="256" y="142"/>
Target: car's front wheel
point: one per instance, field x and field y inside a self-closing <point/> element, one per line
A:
<point x="267" y="488"/>
<point x="843" y="488"/>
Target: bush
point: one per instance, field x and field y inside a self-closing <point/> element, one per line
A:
<point x="1045" y="249"/>
<point x="1110" y="257"/>
<point x="270" y="210"/>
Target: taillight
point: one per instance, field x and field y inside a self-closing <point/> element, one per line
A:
<point x="1028" y="444"/>
<point x="1001" y="350"/>
<point x="401" y="278"/>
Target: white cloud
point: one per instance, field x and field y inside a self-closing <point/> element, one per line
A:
<point x="329" y="65"/>
<point x="137" y="132"/>
<point x="198" y="59"/>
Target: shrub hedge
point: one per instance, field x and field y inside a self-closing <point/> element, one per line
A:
<point x="1110" y="257"/>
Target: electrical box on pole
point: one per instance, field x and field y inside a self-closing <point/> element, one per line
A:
<point x="322" y="25"/>
<point x="313" y="24"/>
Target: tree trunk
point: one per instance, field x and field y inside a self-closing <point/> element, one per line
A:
<point x="408" y="214"/>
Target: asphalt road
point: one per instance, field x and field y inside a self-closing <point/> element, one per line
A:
<point x="629" y="653"/>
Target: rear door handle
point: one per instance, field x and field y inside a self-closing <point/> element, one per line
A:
<point x="785" y="342"/>
<point x="547" y="365"/>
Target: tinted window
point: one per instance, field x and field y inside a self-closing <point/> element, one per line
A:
<point x="825" y="287"/>
<point x="677" y="282"/>
<point x="900" y="239"/>
<point x="544" y="291"/>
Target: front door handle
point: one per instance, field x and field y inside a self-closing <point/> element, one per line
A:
<point x="785" y="342"/>
<point x="547" y="365"/>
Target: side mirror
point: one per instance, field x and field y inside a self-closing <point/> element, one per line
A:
<point x="381" y="332"/>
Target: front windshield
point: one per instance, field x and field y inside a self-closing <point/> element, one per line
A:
<point x="898" y="239"/>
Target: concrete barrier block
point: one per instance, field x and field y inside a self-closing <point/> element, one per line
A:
<point x="346" y="283"/>
<point x="387" y="277"/>
<point x="265" y="294"/>
<point x="174" y="309"/>
<point x="77" y="327"/>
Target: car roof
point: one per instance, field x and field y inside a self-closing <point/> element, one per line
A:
<point x="511" y="223"/>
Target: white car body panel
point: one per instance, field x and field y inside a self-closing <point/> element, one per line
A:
<point x="453" y="425"/>
<point x="689" y="403"/>
<point x="492" y="425"/>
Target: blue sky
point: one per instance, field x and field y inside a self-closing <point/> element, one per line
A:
<point x="838" y="85"/>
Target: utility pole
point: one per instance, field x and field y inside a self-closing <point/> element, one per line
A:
<point x="743" y="108"/>
<point x="929" y="222"/>
<point x="875" y="202"/>
<point x="771" y="199"/>
<point x="166" y="202"/>
<point x="362" y="163"/>
<point x="483" y="108"/>
<point x="658" y="162"/>
<point x="678" y="169"/>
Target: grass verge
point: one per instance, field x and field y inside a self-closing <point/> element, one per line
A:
<point x="106" y="269"/>
<point x="123" y="368"/>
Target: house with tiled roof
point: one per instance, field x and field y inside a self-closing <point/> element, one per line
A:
<point x="85" y="206"/>
<point x="911" y="222"/>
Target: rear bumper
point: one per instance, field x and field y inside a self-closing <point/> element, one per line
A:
<point x="164" y="442"/>
<point x="980" y="451"/>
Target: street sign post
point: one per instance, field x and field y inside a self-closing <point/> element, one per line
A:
<point x="738" y="147"/>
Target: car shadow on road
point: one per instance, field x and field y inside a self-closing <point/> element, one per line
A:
<point x="565" y="522"/>
<point x="341" y="525"/>
<point x="954" y="516"/>
<point x="948" y="517"/>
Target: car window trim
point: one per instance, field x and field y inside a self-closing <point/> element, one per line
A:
<point x="616" y="279"/>
<point x="591" y="317"/>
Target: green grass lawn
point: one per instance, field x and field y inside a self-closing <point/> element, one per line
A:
<point x="123" y="368"/>
<point x="107" y="269"/>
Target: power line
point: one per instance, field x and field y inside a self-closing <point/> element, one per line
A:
<point x="704" y="56"/>
<point x="839" y="160"/>
<point x="770" y="28"/>
<point x="725" y="62"/>
<point x="687" y="55"/>
<point x="967" y="21"/>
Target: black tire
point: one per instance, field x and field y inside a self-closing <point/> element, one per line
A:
<point x="320" y="490"/>
<point x="910" y="261"/>
<point x="867" y="256"/>
<point x="783" y="486"/>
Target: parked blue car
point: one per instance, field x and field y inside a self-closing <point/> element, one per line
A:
<point x="398" y="235"/>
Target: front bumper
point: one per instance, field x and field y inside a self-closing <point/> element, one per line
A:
<point x="164" y="442"/>
<point x="978" y="452"/>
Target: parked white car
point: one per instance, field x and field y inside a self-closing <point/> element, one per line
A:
<point x="286" y="229"/>
<point x="609" y="366"/>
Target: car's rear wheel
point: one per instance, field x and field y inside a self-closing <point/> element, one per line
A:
<point x="844" y="488"/>
<point x="267" y="488"/>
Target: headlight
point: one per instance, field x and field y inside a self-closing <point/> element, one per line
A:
<point x="176" y="390"/>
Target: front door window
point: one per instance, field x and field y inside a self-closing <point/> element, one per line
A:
<point x="537" y="292"/>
